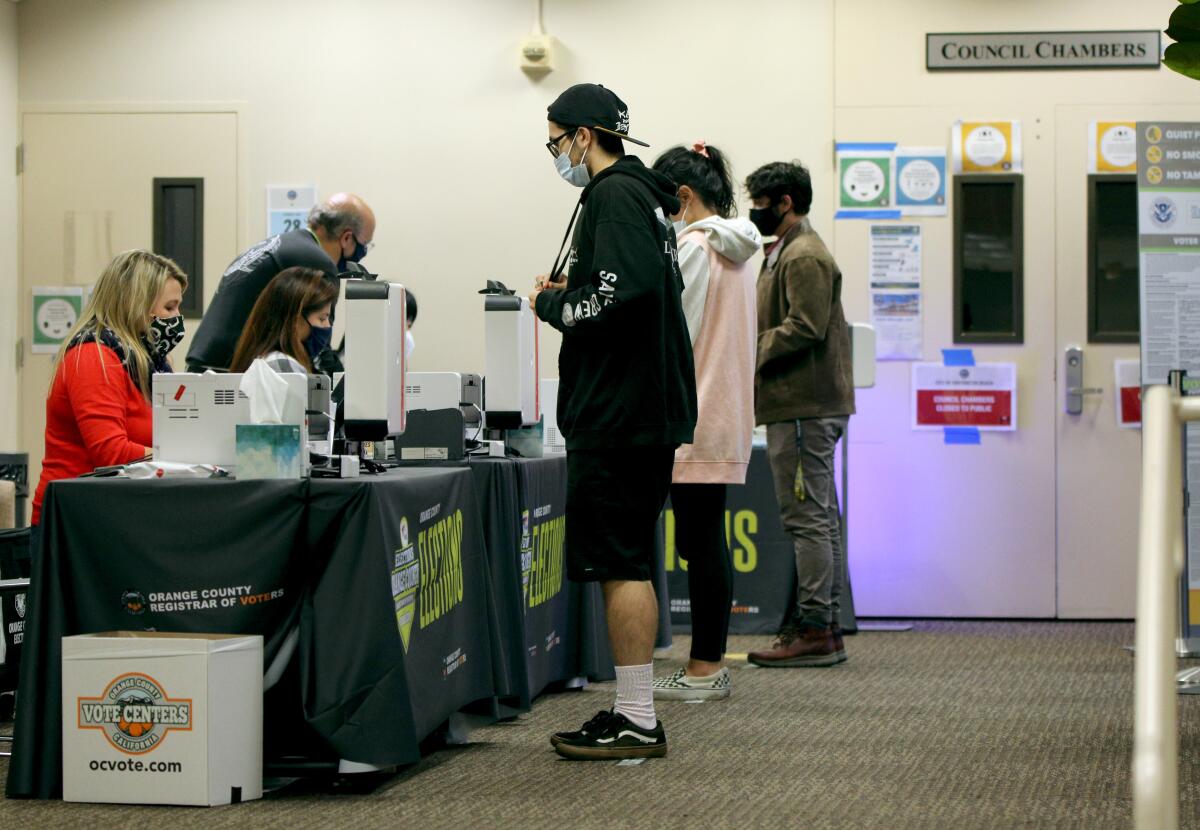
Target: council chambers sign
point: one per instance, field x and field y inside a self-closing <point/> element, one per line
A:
<point x="1043" y="50"/>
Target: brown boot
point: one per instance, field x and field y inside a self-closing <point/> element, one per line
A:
<point x="838" y="644"/>
<point x="808" y="646"/>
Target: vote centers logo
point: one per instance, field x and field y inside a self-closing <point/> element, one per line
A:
<point x="134" y="713"/>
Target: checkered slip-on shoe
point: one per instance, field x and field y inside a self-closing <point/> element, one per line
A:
<point x="679" y="686"/>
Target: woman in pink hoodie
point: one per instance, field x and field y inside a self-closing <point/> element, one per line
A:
<point x="718" y="300"/>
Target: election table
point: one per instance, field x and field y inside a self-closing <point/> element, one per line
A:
<point x="386" y="603"/>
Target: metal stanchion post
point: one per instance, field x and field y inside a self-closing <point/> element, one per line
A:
<point x="1188" y="680"/>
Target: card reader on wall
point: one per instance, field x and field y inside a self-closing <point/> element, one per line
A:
<point x="511" y="380"/>
<point x="374" y="384"/>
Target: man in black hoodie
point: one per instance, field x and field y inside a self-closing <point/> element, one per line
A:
<point x="627" y="394"/>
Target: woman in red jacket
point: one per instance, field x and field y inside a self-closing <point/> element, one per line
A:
<point x="98" y="410"/>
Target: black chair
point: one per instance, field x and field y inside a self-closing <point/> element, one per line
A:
<point x="14" y="582"/>
<point x="14" y="467"/>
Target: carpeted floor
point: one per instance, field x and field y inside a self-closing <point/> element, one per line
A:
<point x="952" y="725"/>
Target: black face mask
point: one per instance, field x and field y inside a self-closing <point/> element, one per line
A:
<point x="360" y="251"/>
<point x="765" y="219"/>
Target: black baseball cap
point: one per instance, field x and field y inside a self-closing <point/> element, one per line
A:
<point x="594" y="107"/>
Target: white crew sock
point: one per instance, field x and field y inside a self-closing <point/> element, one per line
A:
<point x="635" y="694"/>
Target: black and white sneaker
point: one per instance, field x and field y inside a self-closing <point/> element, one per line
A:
<point x="611" y="737"/>
<point x="592" y="725"/>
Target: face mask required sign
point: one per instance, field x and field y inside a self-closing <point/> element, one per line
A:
<point x="55" y="312"/>
<point x="866" y="181"/>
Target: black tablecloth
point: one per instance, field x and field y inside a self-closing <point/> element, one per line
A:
<point x="397" y="629"/>
<point x="550" y="629"/>
<point x="402" y="594"/>
<point x="566" y="634"/>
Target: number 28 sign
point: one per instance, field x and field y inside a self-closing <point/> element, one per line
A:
<point x="288" y="207"/>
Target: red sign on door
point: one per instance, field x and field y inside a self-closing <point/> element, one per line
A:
<point x="955" y="408"/>
<point x="1129" y="393"/>
<point x="983" y="396"/>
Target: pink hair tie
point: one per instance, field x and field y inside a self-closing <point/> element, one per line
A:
<point x="699" y="147"/>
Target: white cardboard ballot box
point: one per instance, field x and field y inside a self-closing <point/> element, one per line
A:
<point x="158" y="718"/>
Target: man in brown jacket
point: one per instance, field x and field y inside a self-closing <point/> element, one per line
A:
<point x="804" y="393"/>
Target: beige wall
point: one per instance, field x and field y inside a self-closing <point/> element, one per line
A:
<point x="422" y="109"/>
<point x="9" y="292"/>
<point x="9" y="277"/>
<point x="888" y="86"/>
<point x="891" y="74"/>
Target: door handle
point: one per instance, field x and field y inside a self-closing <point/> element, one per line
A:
<point x="1073" y="366"/>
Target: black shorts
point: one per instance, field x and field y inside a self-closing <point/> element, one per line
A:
<point x="614" y="499"/>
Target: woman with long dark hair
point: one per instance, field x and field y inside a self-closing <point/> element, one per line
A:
<point x="718" y="301"/>
<point x="289" y="324"/>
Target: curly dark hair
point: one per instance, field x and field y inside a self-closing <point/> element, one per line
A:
<point x="780" y="178"/>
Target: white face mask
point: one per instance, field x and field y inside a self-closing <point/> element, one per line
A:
<point x="682" y="221"/>
<point x="409" y="345"/>
<point x="577" y="174"/>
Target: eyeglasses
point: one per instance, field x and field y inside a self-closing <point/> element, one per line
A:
<point x="552" y="144"/>
<point x="357" y="241"/>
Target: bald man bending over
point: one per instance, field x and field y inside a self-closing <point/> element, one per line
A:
<point x="340" y="231"/>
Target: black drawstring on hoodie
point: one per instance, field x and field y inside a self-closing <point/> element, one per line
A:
<point x="558" y="266"/>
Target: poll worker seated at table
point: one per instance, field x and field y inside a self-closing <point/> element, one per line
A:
<point x="290" y="322"/>
<point x="98" y="410"/>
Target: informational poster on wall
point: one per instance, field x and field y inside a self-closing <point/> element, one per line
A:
<point x="982" y="396"/>
<point x="288" y="207"/>
<point x="987" y="146"/>
<point x="899" y="331"/>
<point x="895" y="281"/>
<point x="55" y="312"/>
<point x="866" y="180"/>
<point x="1168" y="178"/>
<point x="921" y="181"/>
<point x="1112" y="147"/>
<point x="1169" y="248"/>
<point x="1128" y="385"/>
